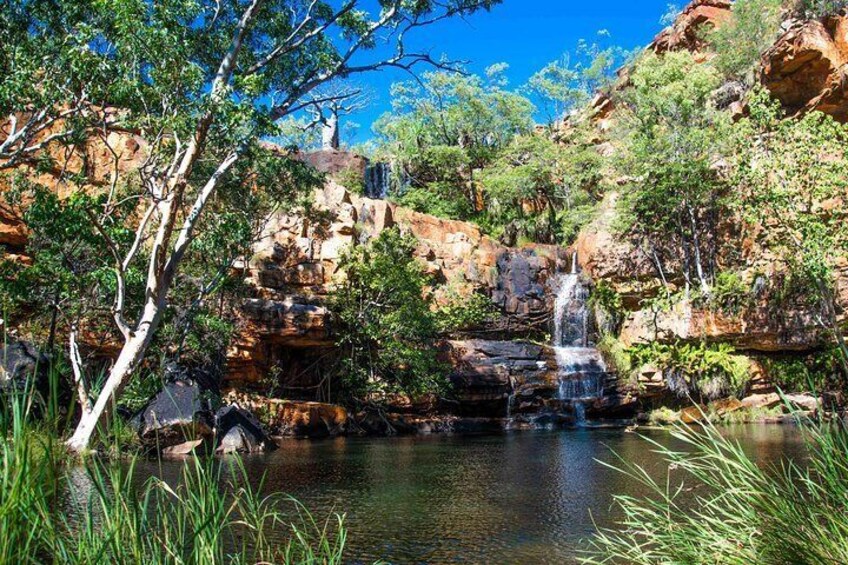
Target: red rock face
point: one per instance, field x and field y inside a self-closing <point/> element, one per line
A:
<point x="96" y="160"/>
<point x="296" y="264"/>
<point x="806" y="68"/>
<point x="686" y="33"/>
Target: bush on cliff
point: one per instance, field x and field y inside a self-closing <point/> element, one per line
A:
<point x="672" y="135"/>
<point x="753" y="27"/>
<point x="541" y="190"/>
<point x="791" y="176"/>
<point x="701" y="371"/>
<point x="385" y="328"/>
<point x="442" y="129"/>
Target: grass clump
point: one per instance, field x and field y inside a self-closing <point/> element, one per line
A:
<point x="663" y="416"/>
<point x="56" y="510"/>
<point x="741" y="514"/>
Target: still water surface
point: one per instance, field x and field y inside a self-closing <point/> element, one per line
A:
<point x="527" y="497"/>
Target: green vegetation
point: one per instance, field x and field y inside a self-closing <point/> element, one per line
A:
<point x="672" y="136"/>
<point x="753" y="27"/>
<point x="730" y="294"/>
<point x="663" y="416"/>
<point x="541" y="190"/>
<point x="819" y="371"/>
<point x="201" y="85"/>
<point x="793" y="164"/>
<point x="386" y="327"/>
<point x="464" y="147"/>
<point x="616" y="355"/>
<point x="462" y="311"/>
<point x="701" y="371"/>
<point x="820" y="8"/>
<point x="444" y="128"/>
<point x="741" y="514"/>
<point x="569" y="83"/>
<point x="110" y="514"/>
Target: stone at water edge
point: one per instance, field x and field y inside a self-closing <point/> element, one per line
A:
<point x="22" y="365"/>
<point x="239" y="431"/>
<point x="180" y="412"/>
<point x="769" y="400"/>
<point x="181" y="449"/>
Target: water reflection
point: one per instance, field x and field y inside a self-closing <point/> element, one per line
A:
<point x="517" y="498"/>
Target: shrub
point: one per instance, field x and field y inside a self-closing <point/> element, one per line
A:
<point x="608" y="307"/>
<point x="352" y="179"/>
<point x="740" y="42"/>
<point x="706" y="371"/>
<point x="821" y="8"/>
<point x="730" y="294"/>
<point x="615" y="355"/>
<point x="462" y="311"/>
<point x="384" y="325"/>
<point x="663" y="416"/>
<point x="818" y="371"/>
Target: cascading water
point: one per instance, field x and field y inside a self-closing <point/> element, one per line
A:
<point x="582" y="373"/>
<point x="378" y="177"/>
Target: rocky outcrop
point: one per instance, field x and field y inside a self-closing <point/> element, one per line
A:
<point x="487" y="374"/>
<point x="94" y="162"/>
<point x="294" y="267"/>
<point x="334" y="161"/>
<point x="687" y="32"/>
<point x="807" y="68"/>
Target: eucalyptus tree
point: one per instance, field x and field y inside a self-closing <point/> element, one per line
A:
<point x="202" y="81"/>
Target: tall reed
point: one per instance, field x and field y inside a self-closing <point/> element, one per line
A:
<point x="793" y="513"/>
<point x="56" y="510"/>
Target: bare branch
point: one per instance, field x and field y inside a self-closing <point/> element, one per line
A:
<point x="79" y="379"/>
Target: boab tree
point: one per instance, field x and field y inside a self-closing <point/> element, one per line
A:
<point x="202" y="81"/>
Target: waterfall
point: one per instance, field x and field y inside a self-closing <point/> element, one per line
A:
<point x="582" y="372"/>
<point x="378" y="177"/>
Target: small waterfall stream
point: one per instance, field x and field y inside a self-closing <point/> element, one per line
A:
<point x="378" y="177"/>
<point x="582" y="372"/>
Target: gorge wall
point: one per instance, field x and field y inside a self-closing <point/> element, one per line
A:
<point x="510" y="368"/>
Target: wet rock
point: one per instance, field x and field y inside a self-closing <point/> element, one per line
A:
<point x="239" y="431"/>
<point x="806" y="402"/>
<point x="486" y="373"/>
<point x="309" y="419"/>
<point x="181" y="449"/>
<point x="768" y="400"/>
<point x="180" y="412"/>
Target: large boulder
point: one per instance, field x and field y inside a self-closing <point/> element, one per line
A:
<point x="238" y="431"/>
<point x="294" y="418"/>
<point x="806" y="67"/>
<point x="23" y="368"/>
<point x="181" y="412"/>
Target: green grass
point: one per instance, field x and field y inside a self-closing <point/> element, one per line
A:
<point x="742" y="514"/>
<point x="54" y="509"/>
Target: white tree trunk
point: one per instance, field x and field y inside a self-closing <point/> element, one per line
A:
<point x="330" y="138"/>
<point x="128" y="360"/>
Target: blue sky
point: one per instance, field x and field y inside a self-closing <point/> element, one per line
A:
<point x="526" y="34"/>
